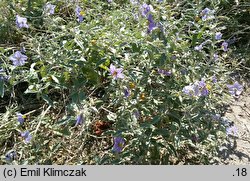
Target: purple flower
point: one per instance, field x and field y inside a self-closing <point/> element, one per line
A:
<point x="203" y="89"/>
<point x="118" y="144"/>
<point x="160" y="71"/>
<point x="196" y="89"/>
<point x="27" y="136"/>
<point x="198" y="48"/>
<point x="110" y="1"/>
<point x="235" y="89"/>
<point x="18" y="58"/>
<point x="20" y="118"/>
<point x="21" y="22"/>
<point x="218" y="35"/>
<point x="126" y="93"/>
<point x="11" y="155"/>
<point x="49" y="8"/>
<point x="205" y="11"/>
<point x="145" y="9"/>
<point x="79" y="14"/>
<point x="164" y="72"/>
<point x="116" y="72"/>
<point x="214" y="79"/>
<point x="232" y="130"/>
<point x="207" y="14"/>
<point x="202" y="83"/>
<point x="188" y="90"/>
<point x="151" y="23"/>
<point x="224" y="46"/>
<point x="79" y="119"/>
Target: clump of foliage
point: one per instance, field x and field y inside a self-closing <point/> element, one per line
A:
<point x="237" y="21"/>
<point x="113" y="82"/>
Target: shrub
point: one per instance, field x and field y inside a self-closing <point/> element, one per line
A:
<point x="149" y="79"/>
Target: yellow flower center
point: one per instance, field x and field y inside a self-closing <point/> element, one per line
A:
<point x="142" y="96"/>
<point x="120" y="145"/>
<point x="82" y="13"/>
<point x="115" y="73"/>
<point x="93" y="42"/>
<point x="131" y="85"/>
<point x="209" y="87"/>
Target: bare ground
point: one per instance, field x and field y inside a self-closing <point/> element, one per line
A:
<point x="239" y="150"/>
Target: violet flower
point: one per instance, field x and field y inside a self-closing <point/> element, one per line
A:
<point x="79" y="119"/>
<point x="207" y="14"/>
<point x="199" y="47"/>
<point x="49" y="8"/>
<point x="196" y="89"/>
<point x="118" y="144"/>
<point x="188" y="90"/>
<point x="20" y="118"/>
<point x="21" y="22"/>
<point x="224" y="46"/>
<point x="151" y="25"/>
<point x="18" y="58"/>
<point x="164" y="72"/>
<point x="79" y="14"/>
<point x="214" y="79"/>
<point x="27" y="136"/>
<point x="235" y="89"/>
<point x="145" y="9"/>
<point x="116" y="72"/>
<point x="11" y="155"/>
<point x="126" y="93"/>
<point x="203" y="89"/>
<point x="218" y="35"/>
<point x="232" y="130"/>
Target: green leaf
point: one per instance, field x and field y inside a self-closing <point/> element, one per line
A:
<point x="156" y="119"/>
<point x="91" y="75"/>
<point x="43" y="71"/>
<point x="47" y="99"/>
<point x="194" y="39"/>
<point x="64" y="132"/>
<point x="161" y="131"/>
<point x="78" y="97"/>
